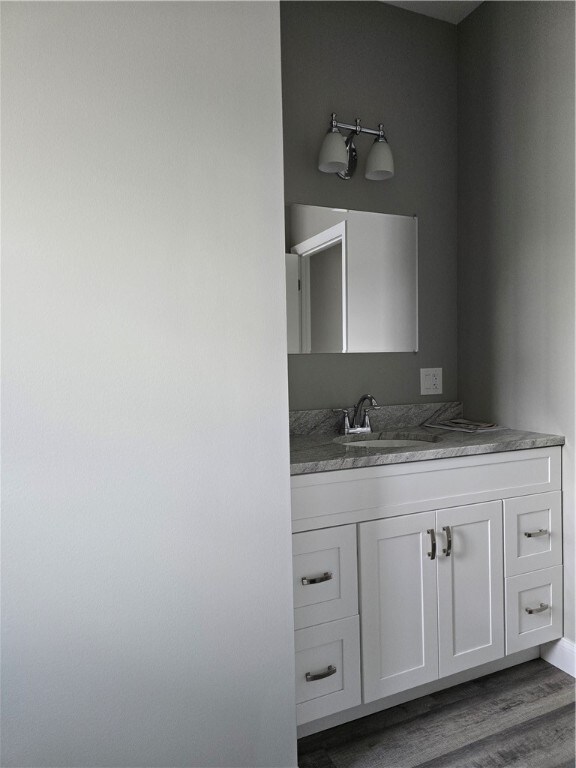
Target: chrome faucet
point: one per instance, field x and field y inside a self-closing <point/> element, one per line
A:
<point x="360" y="419"/>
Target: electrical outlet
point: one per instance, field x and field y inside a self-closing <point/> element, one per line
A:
<point x="430" y="381"/>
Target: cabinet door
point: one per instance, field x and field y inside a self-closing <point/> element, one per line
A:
<point x="398" y="604"/>
<point x="470" y="586"/>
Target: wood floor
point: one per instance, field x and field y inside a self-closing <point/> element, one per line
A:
<point x="522" y="717"/>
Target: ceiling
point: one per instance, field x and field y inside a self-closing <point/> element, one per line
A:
<point x="452" y="11"/>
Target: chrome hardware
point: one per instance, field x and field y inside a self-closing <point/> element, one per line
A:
<point x="542" y="607"/>
<point x="432" y="553"/>
<point x="326" y="576"/>
<point x="346" y="422"/>
<point x="359" y="430"/>
<point x="356" y="128"/>
<point x="360" y="420"/>
<point x="310" y="678"/>
<point x="352" y="157"/>
<point x="533" y="534"/>
<point x="448" y="532"/>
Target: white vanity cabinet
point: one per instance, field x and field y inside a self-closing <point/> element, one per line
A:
<point x="459" y="564"/>
<point x="431" y="596"/>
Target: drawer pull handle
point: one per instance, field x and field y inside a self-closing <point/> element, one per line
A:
<point x="310" y="678"/>
<point x="432" y="553"/>
<point x="448" y="532"/>
<point x="326" y="576"/>
<point x="540" y="609"/>
<point x="533" y="534"/>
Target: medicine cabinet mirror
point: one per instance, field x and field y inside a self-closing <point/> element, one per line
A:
<point x="351" y="281"/>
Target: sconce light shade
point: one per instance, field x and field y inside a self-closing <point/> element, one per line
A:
<point x="380" y="163"/>
<point x="333" y="153"/>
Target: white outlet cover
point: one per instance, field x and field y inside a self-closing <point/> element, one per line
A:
<point x="430" y="381"/>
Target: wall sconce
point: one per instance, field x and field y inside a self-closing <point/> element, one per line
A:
<point x="339" y="155"/>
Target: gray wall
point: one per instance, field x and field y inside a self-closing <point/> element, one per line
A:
<point x="381" y="64"/>
<point x="516" y="226"/>
<point x="146" y="559"/>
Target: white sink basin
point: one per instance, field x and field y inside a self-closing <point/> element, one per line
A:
<point x="386" y="443"/>
<point x="385" y="440"/>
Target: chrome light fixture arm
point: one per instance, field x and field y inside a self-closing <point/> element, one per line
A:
<point x="357" y="128"/>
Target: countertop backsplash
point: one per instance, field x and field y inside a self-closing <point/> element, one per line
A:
<point x="327" y="421"/>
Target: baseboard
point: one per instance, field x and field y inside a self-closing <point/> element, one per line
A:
<point x="562" y="654"/>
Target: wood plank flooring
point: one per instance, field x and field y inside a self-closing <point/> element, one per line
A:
<point x="522" y="717"/>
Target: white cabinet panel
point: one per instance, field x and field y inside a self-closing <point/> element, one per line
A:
<point x="533" y="608"/>
<point x="398" y="604"/>
<point x="325" y="575"/>
<point x="532" y="532"/>
<point x="351" y="496"/>
<point x="470" y="587"/>
<point x="327" y="669"/>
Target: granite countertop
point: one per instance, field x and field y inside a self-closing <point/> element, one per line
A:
<point x="320" y="451"/>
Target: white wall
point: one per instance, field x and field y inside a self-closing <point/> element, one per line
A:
<point x="516" y="228"/>
<point x="147" y="590"/>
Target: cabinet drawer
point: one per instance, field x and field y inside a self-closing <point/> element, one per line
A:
<point x="325" y="575"/>
<point x="532" y="532"/>
<point x="533" y="608"/>
<point x="327" y="669"/>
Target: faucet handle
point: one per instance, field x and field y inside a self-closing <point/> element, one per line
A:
<point x="366" y="424"/>
<point x="346" y="425"/>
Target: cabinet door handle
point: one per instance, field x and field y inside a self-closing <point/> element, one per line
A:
<point x="533" y="534"/>
<point x="448" y="532"/>
<point x="540" y="609"/>
<point x="326" y="576"/>
<point x="432" y="553"/>
<point x="310" y="678"/>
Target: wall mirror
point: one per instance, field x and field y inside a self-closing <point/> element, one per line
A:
<point x="351" y="281"/>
